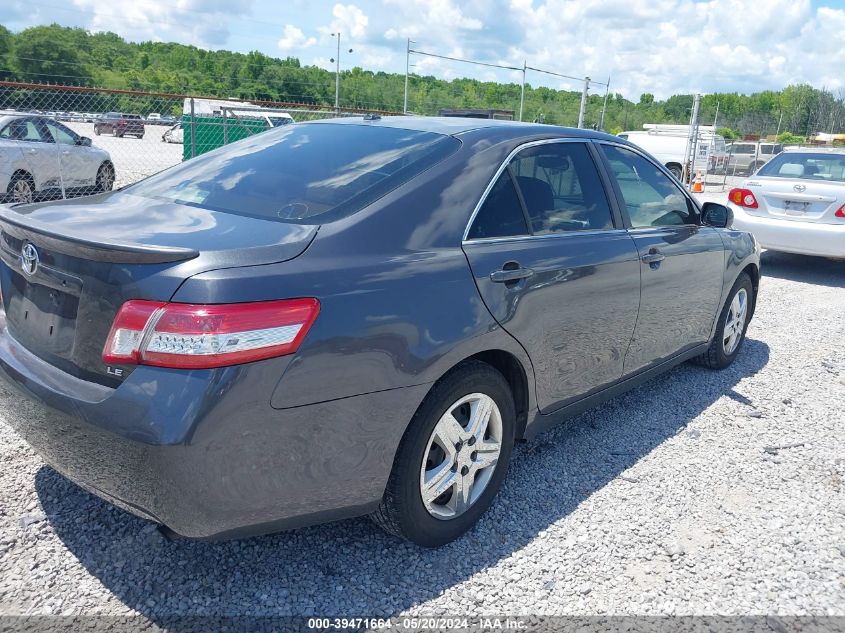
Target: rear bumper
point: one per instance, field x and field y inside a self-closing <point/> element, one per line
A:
<point x="203" y="452"/>
<point x="789" y="236"/>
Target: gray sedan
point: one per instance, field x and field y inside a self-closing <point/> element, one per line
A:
<point x="355" y="317"/>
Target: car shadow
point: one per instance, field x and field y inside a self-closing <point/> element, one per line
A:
<point x="311" y="571"/>
<point x="803" y="268"/>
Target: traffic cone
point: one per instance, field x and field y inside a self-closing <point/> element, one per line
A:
<point x="698" y="184"/>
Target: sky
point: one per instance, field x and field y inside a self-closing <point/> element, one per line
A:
<point x="663" y="47"/>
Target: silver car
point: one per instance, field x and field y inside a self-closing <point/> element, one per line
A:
<point x="41" y="158"/>
<point x="746" y="158"/>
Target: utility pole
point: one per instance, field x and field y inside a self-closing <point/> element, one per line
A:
<point x="692" y="140"/>
<point x="604" y="105"/>
<point x="336" y="60"/>
<point x="584" y="95"/>
<point x="522" y="93"/>
<point x="407" y="72"/>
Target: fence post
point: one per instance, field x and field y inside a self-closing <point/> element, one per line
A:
<point x="225" y="127"/>
<point x="583" y="102"/>
<point x="193" y="131"/>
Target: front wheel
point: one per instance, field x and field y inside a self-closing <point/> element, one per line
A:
<point x="675" y="170"/>
<point x="453" y="458"/>
<point x="731" y="327"/>
<point x="105" y="178"/>
<point x="21" y="189"/>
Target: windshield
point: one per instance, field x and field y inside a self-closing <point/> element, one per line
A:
<point x="807" y="166"/>
<point x="304" y="173"/>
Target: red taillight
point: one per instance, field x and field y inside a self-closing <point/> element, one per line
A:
<point x="840" y="212"/>
<point x="743" y="197"/>
<point x="188" y="336"/>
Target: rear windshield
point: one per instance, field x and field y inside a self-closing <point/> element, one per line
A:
<point x="809" y="166"/>
<point x="303" y="173"/>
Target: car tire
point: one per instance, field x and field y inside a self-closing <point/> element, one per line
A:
<point x="753" y="168"/>
<point x="469" y="388"/>
<point x="105" y="178"/>
<point x="724" y="347"/>
<point x="96" y="131"/>
<point x="21" y="189"/>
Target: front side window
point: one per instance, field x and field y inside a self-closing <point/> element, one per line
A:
<point x="60" y="133"/>
<point x="501" y="214"/>
<point x="307" y="173"/>
<point x="561" y="188"/>
<point x="650" y="196"/>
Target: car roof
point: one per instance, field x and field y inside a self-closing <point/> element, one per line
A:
<point x="452" y="126"/>
<point x="814" y="150"/>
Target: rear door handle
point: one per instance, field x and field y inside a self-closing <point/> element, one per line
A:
<point x="515" y="274"/>
<point x="653" y="257"/>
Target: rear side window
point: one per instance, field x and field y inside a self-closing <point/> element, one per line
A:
<point x="561" y="188"/>
<point x="304" y="173"/>
<point x="501" y="214"/>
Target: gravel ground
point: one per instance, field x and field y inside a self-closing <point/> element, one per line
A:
<point x="698" y="493"/>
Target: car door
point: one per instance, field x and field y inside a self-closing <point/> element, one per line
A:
<point x="681" y="262"/>
<point x="556" y="268"/>
<point x="79" y="168"/>
<point x="39" y="152"/>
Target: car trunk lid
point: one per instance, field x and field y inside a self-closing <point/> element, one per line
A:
<point x="798" y="199"/>
<point x="67" y="267"/>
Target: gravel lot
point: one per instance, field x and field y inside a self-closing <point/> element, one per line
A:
<point x="698" y="493"/>
<point x="134" y="158"/>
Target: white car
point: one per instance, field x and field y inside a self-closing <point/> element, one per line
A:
<point x="41" y="158"/>
<point x="795" y="203"/>
<point x="174" y="135"/>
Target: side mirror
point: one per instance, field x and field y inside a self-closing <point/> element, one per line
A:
<point x="718" y="215"/>
<point x="84" y="141"/>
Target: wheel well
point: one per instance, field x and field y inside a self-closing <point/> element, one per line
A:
<point x="513" y="371"/>
<point x="752" y="271"/>
<point x="22" y="173"/>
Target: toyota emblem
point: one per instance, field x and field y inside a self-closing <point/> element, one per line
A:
<point x="29" y="259"/>
<point x="800" y="188"/>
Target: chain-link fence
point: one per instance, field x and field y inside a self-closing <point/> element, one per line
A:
<point x="58" y="141"/>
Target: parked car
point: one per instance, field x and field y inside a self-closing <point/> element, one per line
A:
<point x="168" y="119"/>
<point x="748" y="157"/>
<point x="795" y="203"/>
<point x="154" y="118"/>
<point x="40" y="157"/>
<point x="119" y="124"/>
<point x="668" y="144"/>
<point x="174" y="135"/>
<point x="354" y="317"/>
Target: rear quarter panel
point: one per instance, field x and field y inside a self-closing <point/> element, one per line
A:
<point x="398" y="303"/>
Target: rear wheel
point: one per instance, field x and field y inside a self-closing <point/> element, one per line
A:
<point x="21" y="188"/>
<point x="754" y="167"/>
<point x="96" y="130"/>
<point x="453" y="458"/>
<point x="730" y="330"/>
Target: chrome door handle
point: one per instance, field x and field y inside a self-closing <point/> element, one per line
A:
<point x="653" y="257"/>
<point x="514" y="274"/>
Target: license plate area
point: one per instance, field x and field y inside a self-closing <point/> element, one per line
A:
<point x="41" y="310"/>
<point x="795" y="207"/>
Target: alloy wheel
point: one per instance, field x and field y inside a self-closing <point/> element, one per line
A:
<point x="105" y="178"/>
<point x="22" y="191"/>
<point x="461" y="456"/>
<point x="735" y="322"/>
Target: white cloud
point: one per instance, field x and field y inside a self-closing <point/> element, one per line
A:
<point x="294" y="39"/>
<point x="199" y="22"/>
<point x="349" y="20"/>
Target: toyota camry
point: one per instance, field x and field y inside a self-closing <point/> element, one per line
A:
<point x="355" y="317"/>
